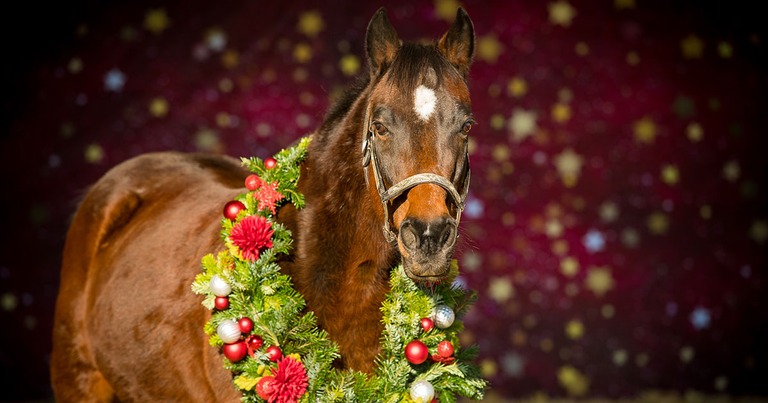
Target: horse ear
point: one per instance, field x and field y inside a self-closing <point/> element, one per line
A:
<point x="458" y="44"/>
<point x="381" y="43"/>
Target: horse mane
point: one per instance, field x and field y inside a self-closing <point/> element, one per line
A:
<point x="343" y="104"/>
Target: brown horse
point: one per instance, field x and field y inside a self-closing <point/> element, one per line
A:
<point x="127" y="326"/>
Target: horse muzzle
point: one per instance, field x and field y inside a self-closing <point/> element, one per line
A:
<point x="426" y="244"/>
<point x="427" y="247"/>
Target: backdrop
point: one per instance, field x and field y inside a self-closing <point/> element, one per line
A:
<point x="617" y="220"/>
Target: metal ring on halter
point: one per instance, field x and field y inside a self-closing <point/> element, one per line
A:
<point x="369" y="156"/>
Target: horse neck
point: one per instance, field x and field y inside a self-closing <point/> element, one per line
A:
<point x="343" y="200"/>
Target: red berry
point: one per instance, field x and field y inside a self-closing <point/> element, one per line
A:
<point x="416" y="352"/>
<point x="274" y="353"/>
<point x="245" y="324"/>
<point x="235" y="351"/>
<point x="232" y="209"/>
<point x="427" y="324"/>
<point x="445" y="349"/>
<point x="264" y="387"/>
<point x="270" y="163"/>
<point x="252" y="182"/>
<point x="221" y="303"/>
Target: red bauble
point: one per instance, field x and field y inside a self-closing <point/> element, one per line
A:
<point x="235" y="351"/>
<point x="221" y="303"/>
<point x="274" y="353"/>
<point x="416" y="352"/>
<point x="270" y="163"/>
<point x="264" y="388"/>
<point x="254" y="343"/>
<point x="252" y="182"/>
<point x="445" y="349"/>
<point x="427" y="324"/>
<point x="245" y="324"/>
<point x="232" y="209"/>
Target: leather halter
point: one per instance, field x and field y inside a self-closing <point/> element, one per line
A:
<point x="386" y="195"/>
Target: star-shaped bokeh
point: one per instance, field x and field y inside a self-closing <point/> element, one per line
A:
<point x="616" y="223"/>
<point x="561" y="12"/>
<point x="522" y="124"/>
<point x="156" y="20"/>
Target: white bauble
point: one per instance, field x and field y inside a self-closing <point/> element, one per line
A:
<point x="219" y="287"/>
<point x="228" y="331"/>
<point x="444" y="316"/>
<point x="422" y="391"/>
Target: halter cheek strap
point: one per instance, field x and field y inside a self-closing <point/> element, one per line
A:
<point x="386" y="195"/>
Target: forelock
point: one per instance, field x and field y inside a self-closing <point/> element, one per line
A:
<point x="417" y="64"/>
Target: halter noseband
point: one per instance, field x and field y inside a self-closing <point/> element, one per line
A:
<point x="370" y="156"/>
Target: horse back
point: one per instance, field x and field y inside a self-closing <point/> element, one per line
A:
<point x="124" y="309"/>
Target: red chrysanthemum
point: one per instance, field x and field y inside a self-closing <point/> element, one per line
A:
<point x="268" y="196"/>
<point x="252" y="235"/>
<point x="290" y="382"/>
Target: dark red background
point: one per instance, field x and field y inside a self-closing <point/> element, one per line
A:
<point x="684" y="305"/>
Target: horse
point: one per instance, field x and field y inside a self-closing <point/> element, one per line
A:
<point x="385" y="180"/>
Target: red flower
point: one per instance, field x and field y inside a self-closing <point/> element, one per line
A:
<point x="289" y="384"/>
<point x="268" y="196"/>
<point x="252" y="235"/>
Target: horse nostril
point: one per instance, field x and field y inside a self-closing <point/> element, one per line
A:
<point x="448" y="233"/>
<point x="409" y="235"/>
<point x="428" y="238"/>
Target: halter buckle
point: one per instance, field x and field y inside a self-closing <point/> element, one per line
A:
<point x="366" y="151"/>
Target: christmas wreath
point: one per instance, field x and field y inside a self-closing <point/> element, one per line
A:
<point x="273" y="345"/>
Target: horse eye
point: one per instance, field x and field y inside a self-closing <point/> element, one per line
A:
<point x="467" y="126"/>
<point x="379" y="129"/>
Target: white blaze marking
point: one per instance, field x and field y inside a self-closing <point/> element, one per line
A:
<point x="424" y="101"/>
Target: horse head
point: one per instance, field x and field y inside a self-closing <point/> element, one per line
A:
<point x="415" y="135"/>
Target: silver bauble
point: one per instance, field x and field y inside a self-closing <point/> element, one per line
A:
<point x="228" y="331"/>
<point x="422" y="391"/>
<point x="219" y="287"/>
<point x="444" y="316"/>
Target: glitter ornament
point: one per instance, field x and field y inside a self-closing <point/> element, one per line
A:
<point x="232" y="209"/>
<point x="445" y="349"/>
<point x="228" y="331"/>
<point x="416" y="352"/>
<point x="444" y="316"/>
<point x="422" y="391"/>
<point x="264" y="388"/>
<point x="219" y="287"/>
<point x="252" y="182"/>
